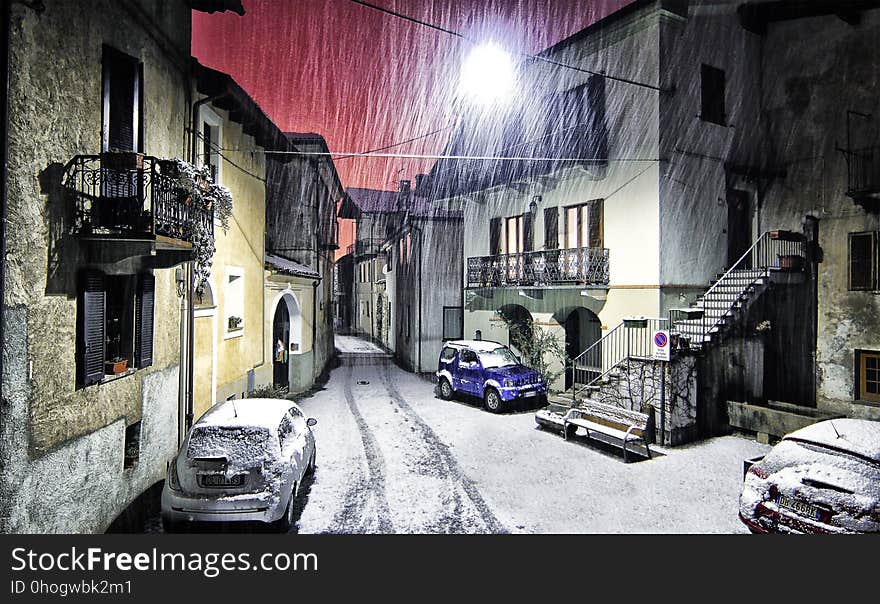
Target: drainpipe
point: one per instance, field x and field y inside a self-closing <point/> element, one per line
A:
<point x="420" y="243"/>
<point x="4" y="153"/>
<point x="314" y="325"/>
<point x="188" y="309"/>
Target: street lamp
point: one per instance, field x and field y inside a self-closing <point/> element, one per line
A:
<point x="487" y="75"/>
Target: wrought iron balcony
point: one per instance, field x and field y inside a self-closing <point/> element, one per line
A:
<point x="577" y="266"/>
<point x="863" y="174"/>
<point x="367" y="247"/>
<point x="131" y="196"/>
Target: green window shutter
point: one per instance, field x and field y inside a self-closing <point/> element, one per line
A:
<point x="92" y="315"/>
<point x="144" y="312"/>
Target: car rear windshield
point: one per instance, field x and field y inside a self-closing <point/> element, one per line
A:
<point x="500" y="357"/>
<point x="240" y="443"/>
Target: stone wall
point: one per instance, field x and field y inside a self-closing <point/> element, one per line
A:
<point x="636" y="385"/>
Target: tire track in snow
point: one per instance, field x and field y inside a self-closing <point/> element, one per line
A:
<point x="441" y="453"/>
<point x="354" y="506"/>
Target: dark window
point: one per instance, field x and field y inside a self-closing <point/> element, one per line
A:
<point x="468" y="356"/>
<point x="712" y="95"/>
<point x="115" y="324"/>
<point x="863" y="261"/>
<point x="122" y="116"/>
<point x="551" y="228"/>
<point x="447" y="354"/>
<point x="453" y="323"/>
<point x="210" y="140"/>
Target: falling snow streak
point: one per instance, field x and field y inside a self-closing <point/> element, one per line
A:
<point x="442" y="457"/>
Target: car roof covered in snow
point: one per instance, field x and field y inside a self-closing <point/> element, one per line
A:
<point x="858" y="436"/>
<point x="247" y="412"/>
<point x="478" y="345"/>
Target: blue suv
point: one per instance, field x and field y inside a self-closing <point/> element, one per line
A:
<point x="488" y="370"/>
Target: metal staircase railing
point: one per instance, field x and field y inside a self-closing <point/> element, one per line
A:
<point x="631" y="339"/>
<point x="773" y="250"/>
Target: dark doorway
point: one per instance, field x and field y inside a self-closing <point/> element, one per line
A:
<point x="739" y="226"/>
<point x="281" y="339"/>
<point x="582" y="329"/>
<point x="380" y="316"/>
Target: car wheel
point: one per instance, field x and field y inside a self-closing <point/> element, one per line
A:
<point x="445" y="389"/>
<point x="493" y="400"/>
<point x="284" y="523"/>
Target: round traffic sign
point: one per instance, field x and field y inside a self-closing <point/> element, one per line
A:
<point x="660" y="339"/>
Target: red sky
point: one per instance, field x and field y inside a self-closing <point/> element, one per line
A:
<point x="364" y="79"/>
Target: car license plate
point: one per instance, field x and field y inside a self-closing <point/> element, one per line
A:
<point x="804" y="509"/>
<point x="530" y="393"/>
<point x="219" y="480"/>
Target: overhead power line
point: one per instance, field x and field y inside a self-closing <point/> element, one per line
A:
<point x="392" y="145"/>
<point x="331" y="154"/>
<point x="530" y="56"/>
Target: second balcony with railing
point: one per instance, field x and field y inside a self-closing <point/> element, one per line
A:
<point x="129" y="196"/>
<point x="576" y="266"/>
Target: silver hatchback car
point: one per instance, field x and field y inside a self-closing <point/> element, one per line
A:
<point x="242" y="461"/>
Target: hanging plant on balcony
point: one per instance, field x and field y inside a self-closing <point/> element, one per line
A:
<point x="203" y="197"/>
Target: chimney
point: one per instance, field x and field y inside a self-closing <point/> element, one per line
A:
<point x="403" y="196"/>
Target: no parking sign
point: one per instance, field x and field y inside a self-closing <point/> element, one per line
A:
<point x="661" y="345"/>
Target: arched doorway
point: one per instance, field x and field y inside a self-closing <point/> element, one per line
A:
<point x="280" y="354"/>
<point x="582" y="329"/>
<point x="519" y="329"/>
<point x="286" y="337"/>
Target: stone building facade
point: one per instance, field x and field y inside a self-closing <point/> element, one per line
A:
<point x="82" y="436"/>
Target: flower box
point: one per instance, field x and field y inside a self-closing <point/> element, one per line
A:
<point x="791" y="263"/>
<point x="116" y="367"/>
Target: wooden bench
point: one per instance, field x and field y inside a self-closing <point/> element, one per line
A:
<point x="624" y="425"/>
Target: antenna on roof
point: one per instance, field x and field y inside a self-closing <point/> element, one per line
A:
<point x="234" y="410"/>
<point x="834" y="427"/>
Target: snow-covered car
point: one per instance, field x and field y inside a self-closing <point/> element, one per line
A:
<point x="824" y="478"/>
<point x="243" y="460"/>
<point x="488" y="370"/>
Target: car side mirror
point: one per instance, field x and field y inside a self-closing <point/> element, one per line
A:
<point x="311" y="422"/>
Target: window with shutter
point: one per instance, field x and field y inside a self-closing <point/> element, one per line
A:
<point x="144" y="313"/>
<point x="92" y="314"/>
<point x="596" y="235"/>
<point x="551" y="228"/>
<point x="122" y="123"/>
<point x="528" y="232"/>
<point x="583" y="225"/>
<point x="494" y="236"/>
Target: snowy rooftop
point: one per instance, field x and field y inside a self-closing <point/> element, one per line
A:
<point x="248" y="412"/>
<point x="289" y="266"/>
<point x="858" y="436"/>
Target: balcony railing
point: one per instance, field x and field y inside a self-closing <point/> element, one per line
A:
<point x="577" y="266"/>
<point x="131" y="197"/>
<point x="365" y="247"/>
<point x="863" y="171"/>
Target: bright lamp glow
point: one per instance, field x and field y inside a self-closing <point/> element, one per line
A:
<point x="487" y="76"/>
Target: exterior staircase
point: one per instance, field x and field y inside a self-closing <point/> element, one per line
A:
<point x="602" y="364"/>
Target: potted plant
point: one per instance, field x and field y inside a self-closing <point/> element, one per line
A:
<point x="235" y="322"/>
<point x="791" y="263"/>
<point x="116" y="365"/>
<point x="122" y="160"/>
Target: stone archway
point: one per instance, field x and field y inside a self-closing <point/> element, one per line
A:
<point x="583" y="328"/>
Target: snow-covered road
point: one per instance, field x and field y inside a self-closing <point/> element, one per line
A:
<point x="393" y="458"/>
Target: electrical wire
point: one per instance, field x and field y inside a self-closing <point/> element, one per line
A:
<point x="459" y="157"/>
<point x="391" y="146"/>
<point x="527" y="55"/>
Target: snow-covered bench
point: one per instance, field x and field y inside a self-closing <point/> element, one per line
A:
<point x="625" y="426"/>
